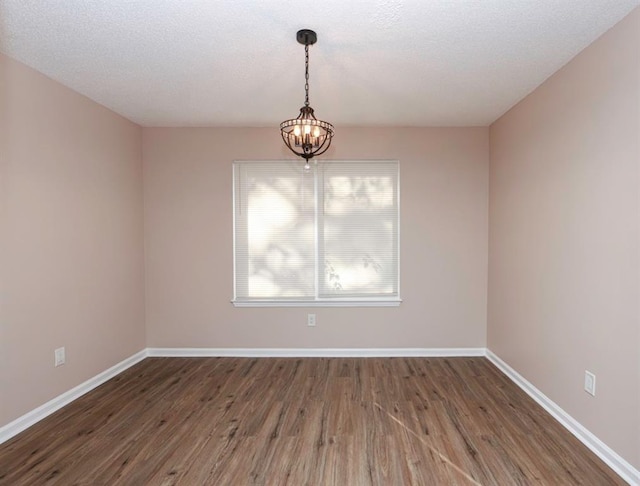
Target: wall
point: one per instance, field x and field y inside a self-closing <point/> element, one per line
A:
<point x="72" y="241"/>
<point x="564" y="227"/>
<point x="189" y="247"/>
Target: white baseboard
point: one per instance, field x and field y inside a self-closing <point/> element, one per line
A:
<point x="625" y="470"/>
<point x="613" y="460"/>
<point x="30" y="418"/>
<point x="316" y="352"/>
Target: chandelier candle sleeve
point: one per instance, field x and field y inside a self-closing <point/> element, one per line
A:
<point x="305" y="135"/>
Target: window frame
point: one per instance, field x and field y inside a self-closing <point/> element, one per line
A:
<point x="359" y="301"/>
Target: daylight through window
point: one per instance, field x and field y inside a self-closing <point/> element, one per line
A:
<point x="324" y="236"/>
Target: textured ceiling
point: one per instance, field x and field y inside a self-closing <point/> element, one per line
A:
<point x="237" y="63"/>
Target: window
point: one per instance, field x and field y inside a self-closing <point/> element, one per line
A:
<point x="324" y="236"/>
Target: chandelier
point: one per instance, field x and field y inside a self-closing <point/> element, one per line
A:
<point x="306" y="136"/>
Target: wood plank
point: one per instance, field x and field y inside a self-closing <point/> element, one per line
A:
<point x="312" y="421"/>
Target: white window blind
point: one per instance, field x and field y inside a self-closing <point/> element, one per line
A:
<point x="326" y="236"/>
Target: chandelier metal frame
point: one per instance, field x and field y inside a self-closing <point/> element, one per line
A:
<point x="305" y="135"/>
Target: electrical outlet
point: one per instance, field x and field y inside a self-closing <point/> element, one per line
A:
<point x="590" y="383"/>
<point x="311" y="320"/>
<point x="60" y="357"/>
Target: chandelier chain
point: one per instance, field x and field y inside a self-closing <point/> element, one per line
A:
<point x="306" y="75"/>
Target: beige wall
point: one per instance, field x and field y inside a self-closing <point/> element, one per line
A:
<point x="72" y="241"/>
<point x="188" y="238"/>
<point x="564" y="237"/>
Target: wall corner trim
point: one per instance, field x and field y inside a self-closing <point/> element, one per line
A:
<point x="624" y="469"/>
<point x="27" y="420"/>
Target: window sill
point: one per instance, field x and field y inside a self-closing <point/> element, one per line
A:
<point x="318" y="303"/>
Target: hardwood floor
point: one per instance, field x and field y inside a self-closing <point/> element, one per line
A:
<point x="320" y="421"/>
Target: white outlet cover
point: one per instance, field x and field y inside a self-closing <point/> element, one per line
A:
<point x="590" y="383"/>
<point x="59" y="356"/>
<point x="311" y="320"/>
